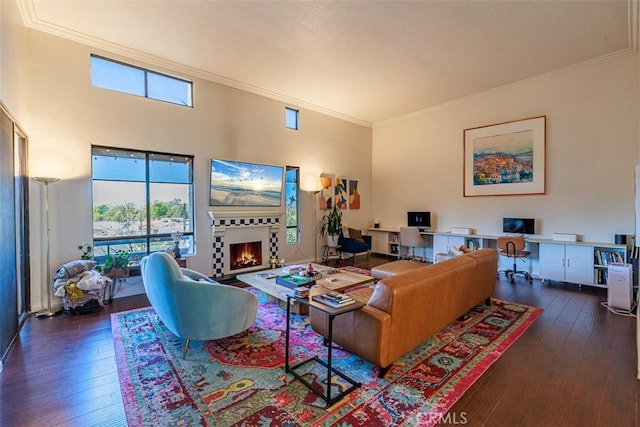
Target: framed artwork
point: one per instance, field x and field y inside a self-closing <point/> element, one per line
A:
<point x="326" y="192"/>
<point x="341" y="193"/>
<point x="354" y="194"/>
<point x="505" y="158"/>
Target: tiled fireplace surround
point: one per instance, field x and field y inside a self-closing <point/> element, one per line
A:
<point x="235" y="226"/>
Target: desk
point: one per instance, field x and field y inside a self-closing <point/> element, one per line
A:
<point x="579" y="262"/>
<point x="331" y="371"/>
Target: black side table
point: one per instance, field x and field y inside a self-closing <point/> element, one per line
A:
<point x="331" y="313"/>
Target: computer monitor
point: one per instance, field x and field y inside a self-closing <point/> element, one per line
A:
<point x="519" y="225"/>
<point x="421" y="220"/>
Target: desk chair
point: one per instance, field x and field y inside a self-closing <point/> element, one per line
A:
<point x="513" y="247"/>
<point x="410" y="237"/>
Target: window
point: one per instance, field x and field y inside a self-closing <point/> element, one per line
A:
<point x="141" y="199"/>
<point x="113" y="75"/>
<point x="291" y="118"/>
<point x="291" y="206"/>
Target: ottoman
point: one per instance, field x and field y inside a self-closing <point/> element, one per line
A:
<point x="395" y="267"/>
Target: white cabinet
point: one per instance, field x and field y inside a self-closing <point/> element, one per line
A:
<point x="442" y="243"/>
<point x="566" y="263"/>
<point x="384" y="242"/>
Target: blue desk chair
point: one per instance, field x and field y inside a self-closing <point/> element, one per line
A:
<point x="191" y="305"/>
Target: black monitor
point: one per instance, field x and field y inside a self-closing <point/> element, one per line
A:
<point x="519" y="225"/>
<point x="419" y="219"/>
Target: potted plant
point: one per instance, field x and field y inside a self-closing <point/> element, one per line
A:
<point x="116" y="266"/>
<point x="331" y="226"/>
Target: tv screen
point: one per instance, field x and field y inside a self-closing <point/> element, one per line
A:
<point x="419" y="219"/>
<point x="245" y="184"/>
<point x="518" y="225"/>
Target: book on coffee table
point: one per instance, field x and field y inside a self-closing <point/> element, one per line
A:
<point x="293" y="281"/>
<point x="333" y="299"/>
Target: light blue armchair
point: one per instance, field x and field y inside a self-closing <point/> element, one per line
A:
<point x="191" y="305"/>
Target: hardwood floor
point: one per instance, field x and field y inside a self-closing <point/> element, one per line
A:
<point x="576" y="366"/>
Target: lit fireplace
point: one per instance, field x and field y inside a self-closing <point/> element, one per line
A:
<point x="245" y="255"/>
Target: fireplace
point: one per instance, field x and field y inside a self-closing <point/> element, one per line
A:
<point x="245" y="255"/>
<point x="234" y="230"/>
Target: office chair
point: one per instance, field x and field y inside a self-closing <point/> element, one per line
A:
<point x="410" y="237"/>
<point x="513" y="247"/>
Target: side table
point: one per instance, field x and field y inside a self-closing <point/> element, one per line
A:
<point x="331" y="371"/>
<point x="331" y="252"/>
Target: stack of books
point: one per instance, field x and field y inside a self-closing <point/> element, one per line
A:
<point x="334" y="299"/>
<point x="301" y="292"/>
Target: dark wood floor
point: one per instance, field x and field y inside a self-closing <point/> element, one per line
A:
<point x="576" y="366"/>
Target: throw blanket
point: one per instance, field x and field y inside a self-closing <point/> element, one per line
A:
<point x="90" y="280"/>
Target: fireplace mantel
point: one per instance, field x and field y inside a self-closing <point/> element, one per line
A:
<point x="228" y="225"/>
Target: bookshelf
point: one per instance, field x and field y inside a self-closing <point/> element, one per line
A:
<point x="602" y="258"/>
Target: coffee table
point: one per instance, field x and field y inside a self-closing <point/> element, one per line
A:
<point x="339" y="281"/>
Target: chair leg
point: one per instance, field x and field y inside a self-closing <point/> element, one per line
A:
<point x="186" y="348"/>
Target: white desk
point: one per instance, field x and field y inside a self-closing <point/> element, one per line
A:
<point x="576" y="262"/>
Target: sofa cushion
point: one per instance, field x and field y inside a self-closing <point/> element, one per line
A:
<point x="395" y="267"/>
<point x="356" y="235"/>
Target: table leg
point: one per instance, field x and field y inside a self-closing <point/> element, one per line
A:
<point x="286" y="345"/>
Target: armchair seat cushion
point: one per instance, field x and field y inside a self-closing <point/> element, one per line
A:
<point x="353" y="246"/>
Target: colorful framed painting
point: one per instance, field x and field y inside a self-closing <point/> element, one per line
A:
<point x="506" y="158"/>
<point x="354" y="194"/>
<point x="326" y="192"/>
<point x="341" y="193"/>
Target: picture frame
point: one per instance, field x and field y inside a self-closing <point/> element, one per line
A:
<point x="326" y="192"/>
<point x="505" y="159"/>
<point x="341" y="195"/>
<point x="354" y="194"/>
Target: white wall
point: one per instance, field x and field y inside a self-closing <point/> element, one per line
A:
<point x="64" y="115"/>
<point x="592" y="146"/>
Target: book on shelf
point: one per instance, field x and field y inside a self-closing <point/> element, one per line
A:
<point x="333" y="299"/>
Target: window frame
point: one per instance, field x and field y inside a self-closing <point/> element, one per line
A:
<point x="148" y="237"/>
<point x="296" y="125"/>
<point x="295" y="227"/>
<point x="146" y="72"/>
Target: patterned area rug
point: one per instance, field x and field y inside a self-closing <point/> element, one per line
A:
<point x="240" y="380"/>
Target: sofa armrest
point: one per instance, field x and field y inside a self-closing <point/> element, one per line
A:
<point x="365" y="332"/>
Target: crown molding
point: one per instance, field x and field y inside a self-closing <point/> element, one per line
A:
<point x="31" y="20"/>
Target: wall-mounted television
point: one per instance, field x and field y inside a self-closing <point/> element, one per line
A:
<point x="419" y="219"/>
<point x="519" y="225"/>
<point x="236" y="183"/>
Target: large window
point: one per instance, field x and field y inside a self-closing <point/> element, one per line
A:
<point x="141" y="200"/>
<point x="291" y="205"/>
<point x="120" y="77"/>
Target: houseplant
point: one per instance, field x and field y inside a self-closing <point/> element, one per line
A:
<point x="331" y="226"/>
<point x="116" y="266"/>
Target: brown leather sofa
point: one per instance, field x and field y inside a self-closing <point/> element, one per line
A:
<point x="404" y="310"/>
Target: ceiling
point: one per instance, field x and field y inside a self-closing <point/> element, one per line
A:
<point x="363" y="61"/>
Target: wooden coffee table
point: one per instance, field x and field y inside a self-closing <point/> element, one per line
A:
<point x="340" y="282"/>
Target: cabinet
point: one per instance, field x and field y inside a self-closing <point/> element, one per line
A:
<point x="566" y="263"/>
<point x="384" y="242"/>
<point x="442" y="243"/>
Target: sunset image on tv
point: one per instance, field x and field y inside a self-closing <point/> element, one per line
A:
<point x="245" y="184"/>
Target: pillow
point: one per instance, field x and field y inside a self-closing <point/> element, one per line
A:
<point x="345" y="232"/>
<point x="356" y="235"/>
<point x="454" y="252"/>
<point x="74" y="268"/>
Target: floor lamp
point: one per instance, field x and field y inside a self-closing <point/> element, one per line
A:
<point x="46" y="181"/>
<point x="314" y="207"/>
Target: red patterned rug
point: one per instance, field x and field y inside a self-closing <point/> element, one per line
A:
<point x="241" y="381"/>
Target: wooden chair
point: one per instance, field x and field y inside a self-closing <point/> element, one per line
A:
<point x="514" y="247"/>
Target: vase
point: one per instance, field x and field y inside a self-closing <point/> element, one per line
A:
<point x="176" y="250"/>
